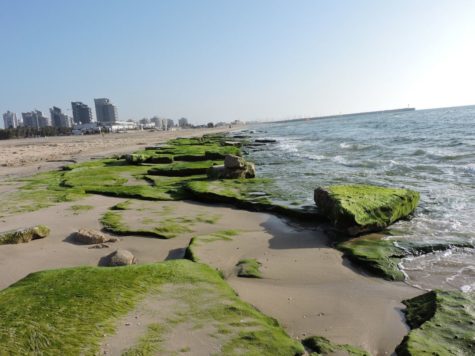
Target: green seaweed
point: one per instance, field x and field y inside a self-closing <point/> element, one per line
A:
<point x="249" y="268"/>
<point x="160" y="224"/>
<point x="376" y="254"/>
<point x="37" y="192"/>
<point x="182" y="169"/>
<point x="442" y="323"/>
<point x="78" y="208"/>
<point x="381" y="254"/>
<point x="24" y="235"/>
<point x="68" y="311"/>
<point x="251" y="194"/>
<point x="191" y="251"/>
<point x="323" y="346"/>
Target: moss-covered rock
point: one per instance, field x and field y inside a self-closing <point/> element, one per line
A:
<point x="362" y="208"/>
<point x="323" y="346"/>
<point x="251" y="194"/>
<point x="249" y="268"/>
<point x="442" y="323"/>
<point x="24" y="235"/>
<point x="381" y="254"/>
<point x="182" y="169"/>
<point x="376" y="254"/>
<point x="192" y="251"/>
<point x="68" y="312"/>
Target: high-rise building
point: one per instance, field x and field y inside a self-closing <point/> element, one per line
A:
<point x="81" y="113"/>
<point x="58" y="119"/>
<point x="105" y="110"/>
<point x="10" y="120"/>
<point x="183" y="122"/>
<point x="170" y="124"/>
<point x="35" y="119"/>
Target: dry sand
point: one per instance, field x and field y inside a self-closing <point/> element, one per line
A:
<point x="306" y="285"/>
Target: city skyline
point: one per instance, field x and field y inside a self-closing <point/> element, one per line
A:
<point x="214" y="61"/>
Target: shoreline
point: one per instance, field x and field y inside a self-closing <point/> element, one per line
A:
<point x="306" y="284"/>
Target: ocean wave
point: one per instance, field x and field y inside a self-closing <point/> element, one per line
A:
<point x="354" y="146"/>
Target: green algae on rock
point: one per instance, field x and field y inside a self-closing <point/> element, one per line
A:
<point x="192" y="250"/>
<point x="249" y="268"/>
<point x="376" y="254"/>
<point x="251" y="194"/>
<point x="24" y="235"/>
<point x="68" y="311"/>
<point x="182" y="169"/>
<point x="137" y="218"/>
<point x="363" y="208"/>
<point x="442" y="323"/>
<point x="323" y="346"/>
<point x="381" y="254"/>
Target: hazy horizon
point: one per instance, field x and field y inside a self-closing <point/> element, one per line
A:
<point x="247" y="60"/>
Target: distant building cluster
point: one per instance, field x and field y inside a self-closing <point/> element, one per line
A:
<point x="106" y="114"/>
<point x="107" y="119"/>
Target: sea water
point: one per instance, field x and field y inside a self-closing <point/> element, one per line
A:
<point x="430" y="151"/>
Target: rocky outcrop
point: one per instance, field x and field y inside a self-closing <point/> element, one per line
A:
<point x="120" y="258"/>
<point x="234" y="167"/>
<point x="323" y="346"/>
<point x="357" y="209"/>
<point x="24" y="235"/>
<point x="442" y="323"/>
<point x="91" y="237"/>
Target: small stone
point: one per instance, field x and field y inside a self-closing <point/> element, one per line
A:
<point x="120" y="258"/>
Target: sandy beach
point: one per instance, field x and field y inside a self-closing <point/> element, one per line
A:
<point x="25" y="156"/>
<point x="306" y="285"/>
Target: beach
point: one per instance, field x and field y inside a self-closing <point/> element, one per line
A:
<point x="306" y="285"/>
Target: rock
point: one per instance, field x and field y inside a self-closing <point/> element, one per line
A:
<point x="216" y="172"/>
<point x="441" y="324"/>
<point x="234" y="162"/>
<point x="24" y="235"/>
<point x="323" y="346"/>
<point x="357" y="209"/>
<point x="91" y="237"/>
<point x="265" y="141"/>
<point x="232" y="143"/>
<point x="120" y="258"/>
<point x="134" y="158"/>
<point x="235" y="167"/>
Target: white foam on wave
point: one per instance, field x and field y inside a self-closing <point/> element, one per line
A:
<point x="288" y="146"/>
<point x="340" y="160"/>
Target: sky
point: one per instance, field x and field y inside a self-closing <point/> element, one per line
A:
<point x="222" y="60"/>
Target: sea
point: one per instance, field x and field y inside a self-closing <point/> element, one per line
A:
<point x="430" y="151"/>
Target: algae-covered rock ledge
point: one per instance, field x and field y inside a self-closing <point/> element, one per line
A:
<point x="358" y="209"/>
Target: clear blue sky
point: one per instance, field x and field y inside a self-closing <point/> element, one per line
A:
<point x="246" y="59"/>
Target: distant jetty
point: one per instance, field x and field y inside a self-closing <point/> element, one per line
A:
<point x="393" y="111"/>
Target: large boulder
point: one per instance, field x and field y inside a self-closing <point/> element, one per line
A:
<point x="120" y="258"/>
<point x="234" y="167"/>
<point x="357" y="209"/>
<point x="24" y="235"/>
<point x="91" y="237"/>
